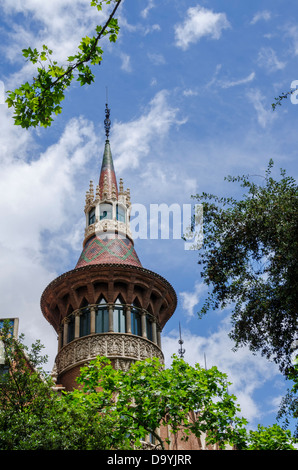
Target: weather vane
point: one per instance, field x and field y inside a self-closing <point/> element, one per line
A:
<point x="181" y="351"/>
<point x="107" y="121"/>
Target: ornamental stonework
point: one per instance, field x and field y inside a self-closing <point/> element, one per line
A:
<point x="123" y="349"/>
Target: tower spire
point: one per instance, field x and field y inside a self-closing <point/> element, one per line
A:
<point x="180" y="341"/>
<point x="107" y="121"/>
<point x="107" y="179"/>
<point x="108" y="237"/>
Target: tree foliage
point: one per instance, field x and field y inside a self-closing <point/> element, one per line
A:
<point x="149" y="396"/>
<point x="289" y="405"/>
<point x="35" y="103"/>
<point x="249" y="261"/>
<point x="33" y="416"/>
<point x="113" y="409"/>
<point x="270" y="438"/>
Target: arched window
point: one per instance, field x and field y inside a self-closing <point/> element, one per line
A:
<point x="92" y="216"/>
<point x="71" y="329"/>
<point x="85" y="322"/>
<point x="102" y="317"/>
<point x="120" y="213"/>
<point x="105" y="211"/>
<point x="119" y="317"/>
<point x="135" y="322"/>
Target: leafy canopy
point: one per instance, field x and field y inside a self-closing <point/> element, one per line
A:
<point x="115" y="409"/>
<point x="249" y="261"/>
<point x="33" y="416"/>
<point x="35" y="103"/>
<point x="148" y="396"/>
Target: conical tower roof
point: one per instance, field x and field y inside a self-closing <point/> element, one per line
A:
<point x="107" y="236"/>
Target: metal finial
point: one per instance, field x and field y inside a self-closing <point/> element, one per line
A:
<point x="181" y="351"/>
<point x="107" y="121"/>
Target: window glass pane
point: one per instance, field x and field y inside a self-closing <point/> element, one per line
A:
<point x="120" y="214"/>
<point x="102" y="320"/>
<point x="92" y="216"/>
<point x="119" y="320"/>
<point x="85" y="322"/>
<point x="149" y="328"/>
<point x="135" y="323"/>
<point x="106" y="211"/>
<point x="71" y="329"/>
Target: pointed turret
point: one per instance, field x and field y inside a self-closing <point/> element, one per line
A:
<point x="108" y="238"/>
<point x="107" y="179"/>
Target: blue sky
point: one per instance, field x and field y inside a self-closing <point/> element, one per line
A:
<point x="190" y="87"/>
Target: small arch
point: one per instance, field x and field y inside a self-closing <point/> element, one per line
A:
<point x="69" y="310"/>
<point x="136" y="302"/>
<point x="119" y="296"/>
<point x="84" y="302"/>
<point x="150" y="309"/>
<point x="101" y="300"/>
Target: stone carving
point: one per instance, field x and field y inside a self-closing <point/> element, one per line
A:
<point x="122" y="348"/>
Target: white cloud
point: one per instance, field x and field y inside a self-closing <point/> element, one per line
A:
<point x="264" y="114"/>
<point x="38" y="196"/>
<point x="267" y="58"/>
<point x="191" y="299"/>
<point x="132" y="140"/>
<point x="264" y="15"/>
<point x="248" y="373"/>
<point x="200" y="22"/>
<point x="190" y="92"/>
<point x="225" y="83"/>
<point x="126" y="64"/>
<point x="145" y="12"/>
<point x="292" y="33"/>
<point x="156" y="59"/>
<point x="60" y="24"/>
<point x="242" y="81"/>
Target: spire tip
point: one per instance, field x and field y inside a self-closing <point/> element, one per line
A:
<point x="107" y="121"/>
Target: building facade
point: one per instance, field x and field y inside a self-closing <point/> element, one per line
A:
<point x="109" y="304"/>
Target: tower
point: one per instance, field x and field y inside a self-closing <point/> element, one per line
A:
<point x="109" y="304"/>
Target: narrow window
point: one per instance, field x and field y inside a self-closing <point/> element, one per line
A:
<point x="106" y="211"/>
<point x="102" y="318"/>
<point x="149" y="327"/>
<point x="135" y="322"/>
<point x="119" y="317"/>
<point x="92" y="216"/>
<point x="120" y="213"/>
<point x="85" y="322"/>
<point x="71" y="329"/>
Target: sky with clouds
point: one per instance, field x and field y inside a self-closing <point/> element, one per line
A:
<point x="190" y="86"/>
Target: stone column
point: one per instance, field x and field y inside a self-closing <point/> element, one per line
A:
<point x="77" y="314"/>
<point x="65" y="331"/>
<point x="111" y="318"/>
<point x="158" y="336"/>
<point x="128" y="318"/>
<point x="92" y="320"/>
<point x="154" y="332"/>
<point x="143" y="324"/>
<point x="60" y="338"/>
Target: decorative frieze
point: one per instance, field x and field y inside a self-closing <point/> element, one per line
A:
<point x="123" y="349"/>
